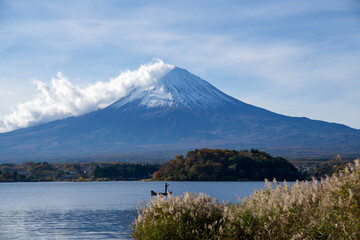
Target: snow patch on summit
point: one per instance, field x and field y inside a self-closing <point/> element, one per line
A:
<point x="178" y="88"/>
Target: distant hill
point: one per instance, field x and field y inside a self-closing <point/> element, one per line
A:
<point x="226" y="165"/>
<point x="175" y="113"/>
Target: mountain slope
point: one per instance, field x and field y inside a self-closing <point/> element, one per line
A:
<point x="178" y="112"/>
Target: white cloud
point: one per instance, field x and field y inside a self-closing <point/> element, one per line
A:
<point x="61" y="98"/>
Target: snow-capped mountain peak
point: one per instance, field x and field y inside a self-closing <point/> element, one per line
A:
<point x="167" y="109"/>
<point x="178" y="88"/>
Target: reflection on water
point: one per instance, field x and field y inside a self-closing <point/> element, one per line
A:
<point x="71" y="224"/>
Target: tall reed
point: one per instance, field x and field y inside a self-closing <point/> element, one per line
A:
<point x="328" y="209"/>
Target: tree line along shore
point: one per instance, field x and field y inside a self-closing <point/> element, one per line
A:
<point x="44" y="171"/>
<point x="198" y="165"/>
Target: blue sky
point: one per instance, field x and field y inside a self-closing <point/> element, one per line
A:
<point x="298" y="58"/>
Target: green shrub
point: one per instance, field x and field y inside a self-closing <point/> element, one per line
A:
<point x="329" y="209"/>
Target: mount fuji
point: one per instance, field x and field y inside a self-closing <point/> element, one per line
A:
<point x="177" y="112"/>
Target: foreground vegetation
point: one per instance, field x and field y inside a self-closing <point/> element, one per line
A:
<point x="329" y="209"/>
<point x="226" y="165"/>
<point x="34" y="172"/>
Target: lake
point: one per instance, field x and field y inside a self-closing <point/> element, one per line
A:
<point x="90" y="210"/>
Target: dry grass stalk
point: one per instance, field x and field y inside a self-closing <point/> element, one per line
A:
<point x="329" y="209"/>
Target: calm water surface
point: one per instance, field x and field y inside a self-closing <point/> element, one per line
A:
<point x="90" y="210"/>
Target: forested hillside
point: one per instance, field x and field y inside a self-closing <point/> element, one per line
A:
<point x="226" y="165"/>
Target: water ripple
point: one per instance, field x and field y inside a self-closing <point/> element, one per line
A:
<point x="70" y="224"/>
